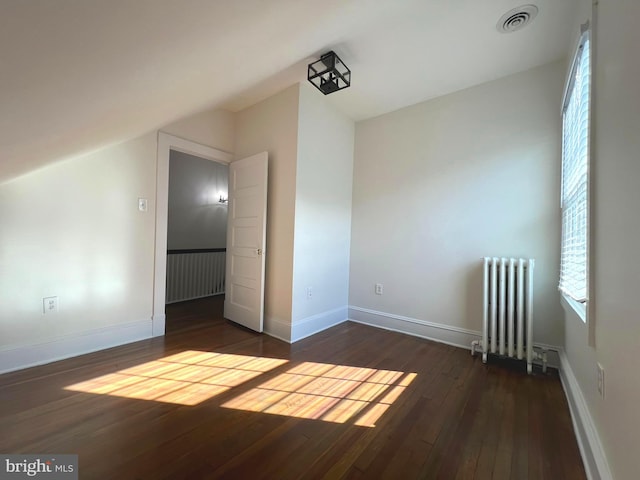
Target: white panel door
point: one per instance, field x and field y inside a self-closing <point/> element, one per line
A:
<point x="246" y="238"/>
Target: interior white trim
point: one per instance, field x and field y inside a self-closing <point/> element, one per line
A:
<point x="455" y="336"/>
<point x="438" y="332"/>
<point x="277" y="329"/>
<point x="67" y="346"/>
<point x="593" y="456"/>
<point x="166" y="143"/>
<point x="158" y="324"/>
<point x="569" y="304"/>
<point x="316" y="323"/>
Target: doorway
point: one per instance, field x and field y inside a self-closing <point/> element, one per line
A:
<point x="196" y="234"/>
<point x="167" y="144"/>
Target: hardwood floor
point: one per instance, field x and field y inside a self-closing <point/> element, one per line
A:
<point x="212" y="400"/>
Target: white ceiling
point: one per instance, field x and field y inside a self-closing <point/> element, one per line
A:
<point x="76" y="75"/>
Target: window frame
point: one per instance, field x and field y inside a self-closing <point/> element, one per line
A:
<point x="580" y="308"/>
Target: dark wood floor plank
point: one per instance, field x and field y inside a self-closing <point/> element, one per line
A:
<point x="506" y="435"/>
<point x="520" y="437"/>
<point x="486" y="458"/>
<point x="403" y="454"/>
<point x="536" y="458"/>
<point x="455" y="418"/>
<point x="562" y="437"/>
<point x="478" y="422"/>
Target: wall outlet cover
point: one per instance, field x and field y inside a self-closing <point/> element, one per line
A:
<point x="49" y="305"/>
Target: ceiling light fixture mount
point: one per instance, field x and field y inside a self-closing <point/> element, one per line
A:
<point x="517" y="18"/>
<point x="329" y="74"/>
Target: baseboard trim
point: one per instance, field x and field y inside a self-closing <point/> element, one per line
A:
<point x="593" y="456"/>
<point x="449" y="335"/>
<point x="158" y="325"/>
<point x="306" y="327"/>
<point x="24" y="356"/>
<point x="437" y="332"/>
<point x="277" y="329"/>
<point x="316" y="323"/>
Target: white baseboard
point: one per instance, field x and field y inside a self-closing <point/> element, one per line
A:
<point x="438" y="332"/>
<point x="593" y="456"/>
<point x="455" y="336"/>
<point x="316" y="323"/>
<point x="277" y="329"/>
<point x="158" y="325"/>
<point x="18" y="357"/>
<point x="306" y="327"/>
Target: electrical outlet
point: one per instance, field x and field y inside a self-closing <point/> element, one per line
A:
<point x="379" y="289"/>
<point x="601" y="380"/>
<point x="49" y="305"/>
<point x="309" y="293"/>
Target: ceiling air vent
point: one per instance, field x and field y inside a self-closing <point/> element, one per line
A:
<point x="517" y="18"/>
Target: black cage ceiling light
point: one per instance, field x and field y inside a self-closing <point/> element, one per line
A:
<point x="329" y="74"/>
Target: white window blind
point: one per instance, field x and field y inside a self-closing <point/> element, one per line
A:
<point x="575" y="168"/>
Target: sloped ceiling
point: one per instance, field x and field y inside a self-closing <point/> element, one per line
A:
<point x="77" y="75"/>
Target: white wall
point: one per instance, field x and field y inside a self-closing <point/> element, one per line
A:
<point x="196" y="218"/>
<point x="439" y="185"/>
<point x="73" y="230"/>
<point x="324" y="176"/>
<point x="272" y="126"/>
<point x="615" y="237"/>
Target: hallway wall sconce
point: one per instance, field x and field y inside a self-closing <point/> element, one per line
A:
<point x="329" y="74"/>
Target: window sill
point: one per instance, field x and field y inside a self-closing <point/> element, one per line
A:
<point x="570" y="305"/>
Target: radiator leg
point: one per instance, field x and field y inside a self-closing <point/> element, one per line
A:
<point x="529" y="368"/>
<point x="544" y="361"/>
<point x="484" y="357"/>
<point x="474" y="345"/>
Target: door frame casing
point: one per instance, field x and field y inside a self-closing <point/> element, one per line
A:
<point x="166" y="143"/>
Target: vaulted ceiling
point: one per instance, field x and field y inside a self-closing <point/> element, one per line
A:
<point x="77" y="75"/>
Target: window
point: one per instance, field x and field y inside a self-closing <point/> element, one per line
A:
<point x="575" y="170"/>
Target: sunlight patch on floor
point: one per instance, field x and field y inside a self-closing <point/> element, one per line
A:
<point x="319" y="391"/>
<point x="186" y="378"/>
<point x="333" y="393"/>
